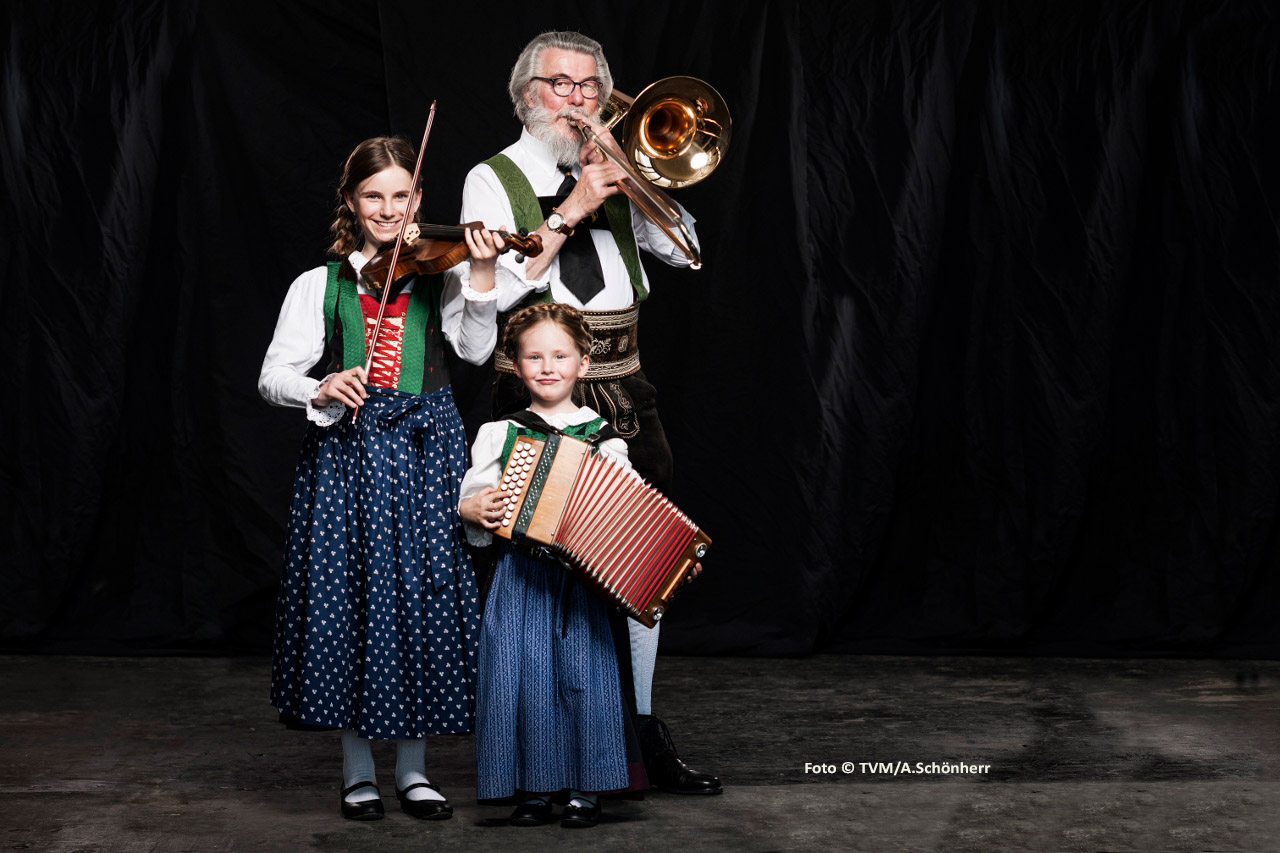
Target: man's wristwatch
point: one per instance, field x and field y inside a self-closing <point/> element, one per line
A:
<point x="556" y="223"/>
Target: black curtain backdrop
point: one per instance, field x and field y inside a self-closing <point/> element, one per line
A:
<point x="985" y="356"/>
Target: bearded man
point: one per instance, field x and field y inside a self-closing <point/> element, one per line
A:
<point x="553" y="184"/>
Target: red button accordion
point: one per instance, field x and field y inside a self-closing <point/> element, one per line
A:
<point x="625" y="539"/>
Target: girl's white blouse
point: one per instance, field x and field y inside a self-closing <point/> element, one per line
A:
<point x="298" y="343"/>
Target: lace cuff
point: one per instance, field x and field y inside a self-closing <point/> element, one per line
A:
<point x="325" y="416"/>
<point x="477" y="536"/>
<point x="476" y="295"/>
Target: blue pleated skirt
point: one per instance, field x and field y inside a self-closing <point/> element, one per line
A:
<point x="549" y="704"/>
<point x="378" y="612"/>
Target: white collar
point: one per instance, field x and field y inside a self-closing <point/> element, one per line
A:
<point x="567" y="419"/>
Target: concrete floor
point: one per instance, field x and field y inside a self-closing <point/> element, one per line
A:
<point x="113" y="754"/>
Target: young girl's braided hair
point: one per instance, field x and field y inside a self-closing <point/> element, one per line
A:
<point x="565" y="316"/>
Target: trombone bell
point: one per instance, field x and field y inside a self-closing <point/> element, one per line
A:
<point x="675" y="132"/>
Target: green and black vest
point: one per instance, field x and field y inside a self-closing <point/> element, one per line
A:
<point x="422" y="364"/>
<point x="528" y="214"/>
<point x="514" y="431"/>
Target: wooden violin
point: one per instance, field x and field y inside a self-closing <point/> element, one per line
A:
<point x="435" y="248"/>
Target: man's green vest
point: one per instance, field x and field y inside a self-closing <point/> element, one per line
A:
<point x="528" y="214"/>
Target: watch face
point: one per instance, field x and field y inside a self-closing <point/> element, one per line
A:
<point x="555" y="221"/>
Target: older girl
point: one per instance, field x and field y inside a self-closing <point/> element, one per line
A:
<point x="377" y="616"/>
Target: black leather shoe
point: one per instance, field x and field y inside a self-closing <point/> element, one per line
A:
<point x="531" y="814"/>
<point x="663" y="765"/>
<point x="365" y="809"/>
<point x="424" y="809"/>
<point x="580" y="817"/>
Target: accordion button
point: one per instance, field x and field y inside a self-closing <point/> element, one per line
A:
<point x="506" y="522"/>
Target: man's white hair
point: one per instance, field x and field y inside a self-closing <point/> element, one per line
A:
<point x="527" y="66"/>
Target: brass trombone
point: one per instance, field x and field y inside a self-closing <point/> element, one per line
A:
<point x="674" y="133"/>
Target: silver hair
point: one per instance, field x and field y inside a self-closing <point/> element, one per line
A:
<point x="526" y="67"/>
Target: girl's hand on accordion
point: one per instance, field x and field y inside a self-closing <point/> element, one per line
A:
<point x="691" y="574"/>
<point x="484" y="508"/>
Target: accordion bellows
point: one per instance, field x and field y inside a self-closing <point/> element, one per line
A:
<point x="623" y="536"/>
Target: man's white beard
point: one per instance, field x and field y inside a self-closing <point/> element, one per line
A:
<point x="563" y="147"/>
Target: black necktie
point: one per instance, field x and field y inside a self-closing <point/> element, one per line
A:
<point x="567" y="185"/>
<point x="579" y="263"/>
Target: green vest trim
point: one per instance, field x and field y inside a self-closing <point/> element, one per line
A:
<point x="342" y="309"/>
<point x="422" y="308"/>
<point x="524" y="201"/>
<point x="528" y="214"/>
<point x="577" y="431"/>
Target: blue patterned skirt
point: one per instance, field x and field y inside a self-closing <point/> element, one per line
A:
<point x="549" y="706"/>
<point x="378" y="610"/>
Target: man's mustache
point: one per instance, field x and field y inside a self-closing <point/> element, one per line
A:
<point x="568" y="112"/>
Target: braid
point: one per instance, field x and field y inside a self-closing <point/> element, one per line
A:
<point x="345" y="231"/>
<point x="566" y="317"/>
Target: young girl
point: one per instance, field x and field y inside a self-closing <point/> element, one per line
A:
<point x="550" y="705"/>
<point x="377" y="618"/>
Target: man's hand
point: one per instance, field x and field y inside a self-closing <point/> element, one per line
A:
<point x="590" y="152"/>
<point x="598" y="178"/>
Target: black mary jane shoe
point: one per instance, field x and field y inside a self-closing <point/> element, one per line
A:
<point x="365" y="809"/>
<point x="531" y="814"/>
<point x="424" y="809"/>
<point x="580" y="817"/>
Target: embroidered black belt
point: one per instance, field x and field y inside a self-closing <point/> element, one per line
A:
<point x="615" y="347"/>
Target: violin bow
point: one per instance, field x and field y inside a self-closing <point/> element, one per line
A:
<point x="395" y="253"/>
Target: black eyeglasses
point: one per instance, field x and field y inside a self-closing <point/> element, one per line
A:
<point x="564" y="87"/>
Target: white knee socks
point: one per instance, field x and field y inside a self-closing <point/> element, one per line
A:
<point x="357" y="766"/>
<point x="580" y="800"/>
<point x="411" y="769"/>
